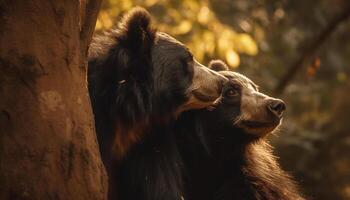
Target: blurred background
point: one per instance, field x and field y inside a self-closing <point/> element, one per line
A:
<point x="298" y="50"/>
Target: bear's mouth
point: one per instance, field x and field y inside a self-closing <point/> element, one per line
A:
<point x="259" y="124"/>
<point x="259" y="128"/>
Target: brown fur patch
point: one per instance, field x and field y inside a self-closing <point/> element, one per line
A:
<point x="125" y="138"/>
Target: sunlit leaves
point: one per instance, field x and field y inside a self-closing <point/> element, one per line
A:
<point x="104" y="20"/>
<point x="246" y="44"/>
<point x="204" y="15"/>
<point x="149" y="3"/>
<point x="209" y="42"/>
<point x="183" y="27"/>
<point x="192" y="22"/>
<point x="232" y="58"/>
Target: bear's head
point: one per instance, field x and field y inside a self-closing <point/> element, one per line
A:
<point x="244" y="106"/>
<point x="151" y="72"/>
<point x="244" y="112"/>
<point x="139" y="77"/>
<point x="226" y="144"/>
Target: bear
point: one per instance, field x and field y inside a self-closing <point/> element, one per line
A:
<point x="139" y="81"/>
<point x="224" y="149"/>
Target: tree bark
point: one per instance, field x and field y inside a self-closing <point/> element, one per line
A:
<point x="48" y="147"/>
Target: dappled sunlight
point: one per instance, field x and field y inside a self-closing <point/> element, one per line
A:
<point x="192" y="22"/>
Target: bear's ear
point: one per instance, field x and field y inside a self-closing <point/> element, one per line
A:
<point x="137" y="34"/>
<point x="218" y="65"/>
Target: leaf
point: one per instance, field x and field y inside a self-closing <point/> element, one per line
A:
<point x="204" y="15"/>
<point x="247" y="44"/>
<point x="232" y="58"/>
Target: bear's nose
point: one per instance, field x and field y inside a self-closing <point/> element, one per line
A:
<point x="277" y="107"/>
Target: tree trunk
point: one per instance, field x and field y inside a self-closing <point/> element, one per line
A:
<point x="48" y="148"/>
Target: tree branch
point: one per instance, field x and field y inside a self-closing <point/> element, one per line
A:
<point x="311" y="49"/>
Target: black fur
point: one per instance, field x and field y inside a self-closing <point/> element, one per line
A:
<point x="134" y="74"/>
<point x="123" y="54"/>
<point x="153" y="170"/>
<point x="137" y="79"/>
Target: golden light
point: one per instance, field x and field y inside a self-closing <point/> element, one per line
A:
<point x="203" y="15"/>
<point x="246" y="44"/>
<point x="105" y="20"/>
<point x="232" y="58"/>
<point x="98" y="25"/>
<point x="184" y="27"/>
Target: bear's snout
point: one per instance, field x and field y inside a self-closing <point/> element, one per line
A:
<point x="207" y="84"/>
<point x="277" y="107"/>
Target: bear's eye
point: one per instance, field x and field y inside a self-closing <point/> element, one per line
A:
<point x="232" y="92"/>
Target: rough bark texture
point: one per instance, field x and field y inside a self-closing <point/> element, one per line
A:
<point x="48" y="147"/>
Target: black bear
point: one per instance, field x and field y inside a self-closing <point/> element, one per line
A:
<point x="224" y="151"/>
<point x="139" y="80"/>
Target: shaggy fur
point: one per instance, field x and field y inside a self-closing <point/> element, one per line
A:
<point x="128" y="102"/>
<point x="114" y="69"/>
